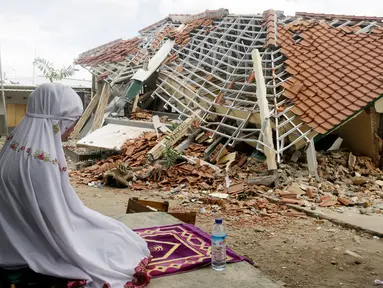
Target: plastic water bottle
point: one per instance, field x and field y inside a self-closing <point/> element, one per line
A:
<point x="218" y="246"/>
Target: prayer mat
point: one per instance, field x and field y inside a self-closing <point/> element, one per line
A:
<point x="179" y="248"/>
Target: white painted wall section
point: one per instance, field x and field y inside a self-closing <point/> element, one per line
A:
<point x="112" y="136"/>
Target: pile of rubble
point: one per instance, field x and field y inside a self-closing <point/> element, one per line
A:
<point x="345" y="180"/>
<point x="132" y="169"/>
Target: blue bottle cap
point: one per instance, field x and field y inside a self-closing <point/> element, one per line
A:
<point x="218" y="221"/>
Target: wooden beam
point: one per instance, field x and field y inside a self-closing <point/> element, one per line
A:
<point x="173" y="137"/>
<point x="135" y="104"/>
<point x="264" y="110"/>
<point x="85" y="116"/>
<point x="100" y="112"/>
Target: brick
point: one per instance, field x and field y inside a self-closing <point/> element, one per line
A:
<point x="344" y="201"/>
<point x="291" y="201"/>
<point x="328" y="203"/>
<point x="309" y="193"/>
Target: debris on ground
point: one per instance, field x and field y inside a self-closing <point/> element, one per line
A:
<point x="341" y="187"/>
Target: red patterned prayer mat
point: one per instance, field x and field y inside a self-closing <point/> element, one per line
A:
<point x="179" y="248"/>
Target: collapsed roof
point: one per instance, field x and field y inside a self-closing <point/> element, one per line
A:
<point x="320" y="70"/>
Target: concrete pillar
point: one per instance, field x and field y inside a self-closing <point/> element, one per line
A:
<point x="312" y="160"/>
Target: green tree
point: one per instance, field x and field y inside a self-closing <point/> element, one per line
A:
<point x="51" y="73"/>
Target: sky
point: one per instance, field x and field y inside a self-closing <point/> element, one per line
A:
<point x="60" y="30"/>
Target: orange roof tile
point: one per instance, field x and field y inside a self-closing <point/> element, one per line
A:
<point x="270" y="24"/>
<point x="337" y="16"/>
<point x="112" y="54"/>
<point x="337" y="67"/>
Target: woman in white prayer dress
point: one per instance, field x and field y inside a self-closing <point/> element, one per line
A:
<point x="43" y="224"/>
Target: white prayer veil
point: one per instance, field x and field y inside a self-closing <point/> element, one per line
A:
<point x="43" y="224"/>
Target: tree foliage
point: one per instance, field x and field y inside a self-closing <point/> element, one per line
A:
<point x="51" y="73"/>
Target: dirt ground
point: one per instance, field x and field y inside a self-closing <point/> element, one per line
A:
<point x="301" y="252"/>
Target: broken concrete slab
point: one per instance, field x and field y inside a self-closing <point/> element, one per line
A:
<point x="267" y="180"/>
<point x="295" y="189"/>
<point x="352" y="218"/>
<point x="134" y="123"/>
<point x="111" y="136"/>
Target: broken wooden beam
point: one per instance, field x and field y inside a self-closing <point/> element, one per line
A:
<point x="85" y="116"/>
<point x="173" y="137"/>
<point x="100" y="112"/>
<point x="263" y="109"/>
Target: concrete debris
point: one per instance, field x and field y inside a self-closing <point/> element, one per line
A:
<point x="357" y="239"/>
<point x="359" y="180"/>
<point x="268" y="180"/>
<point x="131" y="169"/>
<point x="351" y="161"/>
<point x="188" y="176"/>
<point x="353" y="254"/>
<point x="296" y="156"/>
<point x="219" y="195"/>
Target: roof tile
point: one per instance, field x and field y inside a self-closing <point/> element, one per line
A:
<point x="343" y="70"/>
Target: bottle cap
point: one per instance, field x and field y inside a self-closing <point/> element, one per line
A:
<point x="218" y="221"/>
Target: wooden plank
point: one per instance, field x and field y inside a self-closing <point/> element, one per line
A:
<point x="173" y="137"/>
<point x="135" y="104"/>
<point x="11" y="115"/>
<point x="264" y="111"/>
<point x="159" y="206"/>
<point x="136" y="205"/>
<point x="85" y="116"/>
<point x="99" y="116"/>
<point x="189" y="218"/>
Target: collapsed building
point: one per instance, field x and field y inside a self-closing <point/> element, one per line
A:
<point x="275" y="82"/>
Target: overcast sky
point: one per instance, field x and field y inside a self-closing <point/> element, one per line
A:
<point x="60" y="30"/>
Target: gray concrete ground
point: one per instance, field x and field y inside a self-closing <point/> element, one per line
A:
<point x="236" y="275"/>
<point x="350" y="218"/>
<point x="353" y="219"/>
